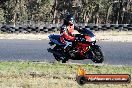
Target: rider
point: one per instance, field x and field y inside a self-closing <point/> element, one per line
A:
<point x="67" y="30"/>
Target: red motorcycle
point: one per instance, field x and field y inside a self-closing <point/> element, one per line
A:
<point x="84" y="47"/>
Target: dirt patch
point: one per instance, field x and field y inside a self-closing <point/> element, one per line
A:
<point x="115" y="36"/>
<point x="24" y="36"/>
<point x="122" y="36"/>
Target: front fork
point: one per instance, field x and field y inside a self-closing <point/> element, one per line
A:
<point x="84" y="51"/>
<point x="89" y="54"/>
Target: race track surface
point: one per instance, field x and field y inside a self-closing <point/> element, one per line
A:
<point x="116" y="53"/>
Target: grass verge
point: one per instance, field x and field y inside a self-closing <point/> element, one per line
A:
<point x="54" y="75"/>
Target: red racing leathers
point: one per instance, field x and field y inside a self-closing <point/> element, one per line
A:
<point x="67" y="33"/>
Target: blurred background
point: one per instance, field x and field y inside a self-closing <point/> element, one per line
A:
<point x="49" y="13"/>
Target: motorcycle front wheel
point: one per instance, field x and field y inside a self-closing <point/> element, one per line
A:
<point x="97" y="56"/>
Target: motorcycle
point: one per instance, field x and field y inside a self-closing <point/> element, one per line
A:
<point x="84" y="47"/>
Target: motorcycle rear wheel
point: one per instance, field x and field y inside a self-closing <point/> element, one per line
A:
<point x="58" y="58"/>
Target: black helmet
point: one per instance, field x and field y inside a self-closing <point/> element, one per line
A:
<point x="69" y="19"/>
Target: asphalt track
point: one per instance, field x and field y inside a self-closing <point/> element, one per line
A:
<point x="115" y="53"/>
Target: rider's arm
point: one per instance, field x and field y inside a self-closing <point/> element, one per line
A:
<point x="64" y="33"/>
<point x="68" y="37"/>
<point x="77" y="28"/>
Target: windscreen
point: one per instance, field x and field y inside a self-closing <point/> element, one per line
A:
<point x="87" y="31"/>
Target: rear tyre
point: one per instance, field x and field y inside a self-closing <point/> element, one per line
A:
<point x="64" y="60"/>
<point x="57" y="48"/>
<point x="58" y="58"/>
<point x="97" y="55"/>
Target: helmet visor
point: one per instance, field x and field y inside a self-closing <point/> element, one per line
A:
<point x="71" y="20"/>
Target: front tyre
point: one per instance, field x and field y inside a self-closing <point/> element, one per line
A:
<point x="97" y="54"/>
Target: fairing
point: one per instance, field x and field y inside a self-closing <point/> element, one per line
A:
<point x="55" y="39"/>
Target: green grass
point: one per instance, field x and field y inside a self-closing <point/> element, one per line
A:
<point x="54" y="75"/>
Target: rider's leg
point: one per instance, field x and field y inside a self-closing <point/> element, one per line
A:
<point x="67" y="44"/>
